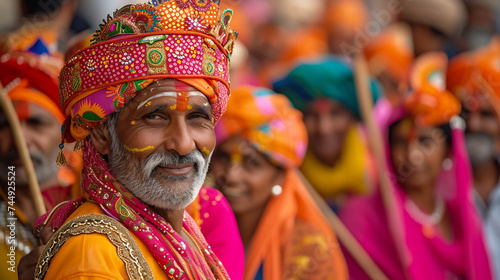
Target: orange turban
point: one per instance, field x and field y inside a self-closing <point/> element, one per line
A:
<point x="29" y="71"/>
<point x="268" y="121"/>
<point x="391" y="52"/>
<point x="477" y="72"/>
<point x="430" y="103"/>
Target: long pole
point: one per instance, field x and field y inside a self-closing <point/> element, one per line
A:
<point x="22" y="148"/>
<point x="365" y="101"/>
<point x="344" y="235"/>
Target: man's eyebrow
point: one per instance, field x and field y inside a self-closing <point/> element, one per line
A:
<point x="203" y="109"/>
<point x="157" y="109"/>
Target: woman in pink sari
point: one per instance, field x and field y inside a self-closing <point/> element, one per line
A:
<point x="431" y="230"/>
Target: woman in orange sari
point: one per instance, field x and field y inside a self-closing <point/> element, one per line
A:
<point x="262" y="140"/>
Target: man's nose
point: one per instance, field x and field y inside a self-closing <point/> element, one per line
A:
<point x="179" y="138"/>
<point x="233" y="173"/>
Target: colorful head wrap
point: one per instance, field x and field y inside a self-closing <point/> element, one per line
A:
<point x="183" y="39"/>
<point x="29" y="73"/>
<point x="477" y="72"/>
<point x="429" y="102"/>
<point x="331" y="77"/>
<point x="269" y="122"/>
<point x="391" y="52"/>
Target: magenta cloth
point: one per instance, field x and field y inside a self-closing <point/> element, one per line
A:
<point x="221" y="231"/>
<point x="101" y="187"/>
<point x="417" y="256"/>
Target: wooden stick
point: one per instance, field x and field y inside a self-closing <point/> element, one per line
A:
<point x="365" y="101"/>
<point x="22" y="148"/>
<point x="345" y="237"/>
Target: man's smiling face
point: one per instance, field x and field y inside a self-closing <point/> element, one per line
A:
<point x="161" y="144"/>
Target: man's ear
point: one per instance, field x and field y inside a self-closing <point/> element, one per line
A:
<point x="101" y="138"/>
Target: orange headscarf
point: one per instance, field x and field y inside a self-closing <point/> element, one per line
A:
<point x="477" y="72"/>
<point x="391" y="52"/>
<point x="292" y="229"/>
<point x="29" y="71"/>
<point x="23" y="92"/>
<point x="430" y="103"/>
<point x="269" y="122"/>
<point x="281" y="241"/>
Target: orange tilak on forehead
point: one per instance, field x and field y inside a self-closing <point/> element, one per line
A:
<point x="182" y="102"/>
<point x="182" y="98"/>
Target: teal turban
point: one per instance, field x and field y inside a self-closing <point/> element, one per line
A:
<point x="331" y="77"/>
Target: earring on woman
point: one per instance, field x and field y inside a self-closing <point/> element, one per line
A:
<point x="276" y="190"/>
<point x="447" y="164"/>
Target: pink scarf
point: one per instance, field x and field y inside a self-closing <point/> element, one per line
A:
<point x="172" y="253"/>
<point x="409" y="253"/>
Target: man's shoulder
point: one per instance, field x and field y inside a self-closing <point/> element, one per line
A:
<point x="86" y="209"/>
<point x="103" y="245"/>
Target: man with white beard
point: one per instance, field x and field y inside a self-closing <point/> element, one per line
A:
<point x="474" y="77"/>
<point x="142" y="102"/>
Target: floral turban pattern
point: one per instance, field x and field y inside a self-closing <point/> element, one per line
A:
<point x="188" y="40"/>
<point x="269" y="122"/>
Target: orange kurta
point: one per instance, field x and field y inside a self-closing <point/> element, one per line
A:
<point x="94" y="256"/>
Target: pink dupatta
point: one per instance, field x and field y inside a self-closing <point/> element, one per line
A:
<point x="420" y="257"/>
<point x="172" y="253"/>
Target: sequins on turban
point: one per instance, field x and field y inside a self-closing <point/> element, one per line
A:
<point x="186" y="40"/>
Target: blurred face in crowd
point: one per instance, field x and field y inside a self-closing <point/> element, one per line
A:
<point x="482" y="131"/>
<point x="427" y="39"/>
<point x="417" y="153"/>
<point x="327" y="122"/>
<point x="158" y="150"/>
<point x="42" y="133"/>
<point x="244" y="175"/>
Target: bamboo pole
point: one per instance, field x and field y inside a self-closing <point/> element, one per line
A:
<point x="365" y="101"/>
<point x="22" y="148"/>
<point x="344" y="235"/>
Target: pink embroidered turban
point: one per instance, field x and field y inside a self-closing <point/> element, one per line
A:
<point x="188" y="40"/>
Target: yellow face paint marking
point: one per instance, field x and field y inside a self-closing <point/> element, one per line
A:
<point x="136" y="150"/>
<point x="132" y="123"/>
<point x="205" y="151"/>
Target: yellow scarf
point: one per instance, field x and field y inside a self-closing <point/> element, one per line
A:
<point x="349" y="174"/>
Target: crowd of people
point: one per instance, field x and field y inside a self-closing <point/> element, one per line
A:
<point x="258" y="139"/>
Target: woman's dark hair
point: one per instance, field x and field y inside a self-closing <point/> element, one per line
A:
<point x="445" y="128"/>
